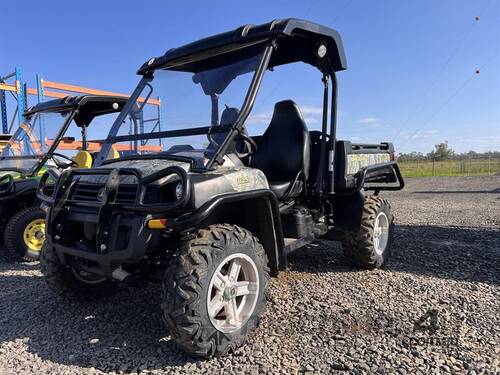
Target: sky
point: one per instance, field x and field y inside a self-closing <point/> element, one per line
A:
<point x="419" y="71"/>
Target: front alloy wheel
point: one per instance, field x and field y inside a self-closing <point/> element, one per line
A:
<point x="233" y="293"/>
<point x="214" y="290"/>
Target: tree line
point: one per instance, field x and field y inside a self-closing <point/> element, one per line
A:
<point x="442" y="151"/>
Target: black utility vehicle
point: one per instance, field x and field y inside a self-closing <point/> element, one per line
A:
<point x="41" y="143"/>
<point x="217" y="211"/>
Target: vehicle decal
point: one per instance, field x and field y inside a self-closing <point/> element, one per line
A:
<point x="244" y="179"/>
<point x="357" y="161"/>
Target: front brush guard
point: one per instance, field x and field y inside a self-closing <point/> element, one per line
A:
<point x="67" y="180"/>
<point x="107" y="204"/>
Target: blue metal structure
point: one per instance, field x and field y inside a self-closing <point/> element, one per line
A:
<point x="156" y="123"/>
<point x="3" y="104"/>
<point x="3" y="110"/>
<point x="19" y="91"/>
<point x="160" y="118"/>
<point x="21" y="96"/>
<point x="39" y="89"/>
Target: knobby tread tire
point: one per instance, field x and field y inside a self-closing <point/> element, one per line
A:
<point x="186" y="284"/>
<point x="61" y="279"/>
<point x="14" y="230"/>
<point x="359" y="246"/>
<point x="2" y="231"/>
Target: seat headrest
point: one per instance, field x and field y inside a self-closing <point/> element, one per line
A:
<point x="229" y="116"/>
<point x="285" y="111"/>
<point x="113" y="154"/>
<point x="284" y="148"/>
<point x="83" y="159"/>
<point x="287" y="104"/>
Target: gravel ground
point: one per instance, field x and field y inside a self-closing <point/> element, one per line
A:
<point x="435" y="308"/>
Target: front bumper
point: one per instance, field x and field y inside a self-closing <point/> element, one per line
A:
<point x="102" y="236"/>
<point x="127" y="241"/>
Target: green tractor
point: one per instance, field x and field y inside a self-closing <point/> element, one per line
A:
<point x="45" y="140"/>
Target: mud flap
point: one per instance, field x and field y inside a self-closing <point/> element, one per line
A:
<point x="348" y="210"/>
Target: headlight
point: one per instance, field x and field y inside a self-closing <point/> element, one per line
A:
<point x="179" y="191"/>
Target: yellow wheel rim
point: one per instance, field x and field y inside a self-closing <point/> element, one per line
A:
<point x="34" y="235"/>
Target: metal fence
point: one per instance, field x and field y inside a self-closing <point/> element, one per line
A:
<point x="464" y="166"/>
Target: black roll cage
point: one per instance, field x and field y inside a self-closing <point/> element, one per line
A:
<point x="238" y="126"/>
<point x="233" y="131"/>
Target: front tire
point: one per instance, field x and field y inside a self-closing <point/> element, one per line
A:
<point x="370" y="246"/>
<point x="25" y="233"/>
<point x="214" y="291"/>
<point x="2" y="231"/>
<point x="67" y="281"/>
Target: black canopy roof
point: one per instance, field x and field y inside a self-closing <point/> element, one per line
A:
<point x="89" y="106"/>
<point x="297" y="40"/>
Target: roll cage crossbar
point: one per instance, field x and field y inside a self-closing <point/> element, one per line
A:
<point x="170" y="133"/>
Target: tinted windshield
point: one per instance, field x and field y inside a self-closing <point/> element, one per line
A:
<point x="197" y="110"/>
<point x="25" y="148"/>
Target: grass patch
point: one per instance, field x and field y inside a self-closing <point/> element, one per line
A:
<point x="463" y="167"/>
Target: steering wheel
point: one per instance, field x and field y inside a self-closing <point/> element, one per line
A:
<point x="250" y="145"/>
<point x="63" y="165"/>
<point x="210" y="138"/>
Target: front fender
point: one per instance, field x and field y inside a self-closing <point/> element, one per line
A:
<point x="256" y="211"/>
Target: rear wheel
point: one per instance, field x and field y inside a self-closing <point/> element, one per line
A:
<point x="69" y="282"/>
<point x="25" y="233"/>
<point x="214" y="291"/>
<point x="370" y="246"/>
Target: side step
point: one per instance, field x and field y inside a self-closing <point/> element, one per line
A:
<point x="292" y="244"/>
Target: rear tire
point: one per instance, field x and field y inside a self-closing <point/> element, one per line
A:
<point x="68" y="282"/>
<point x="24" y="234"/>
<point x="370" y="246"/>
<point x="205" y="306"/>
